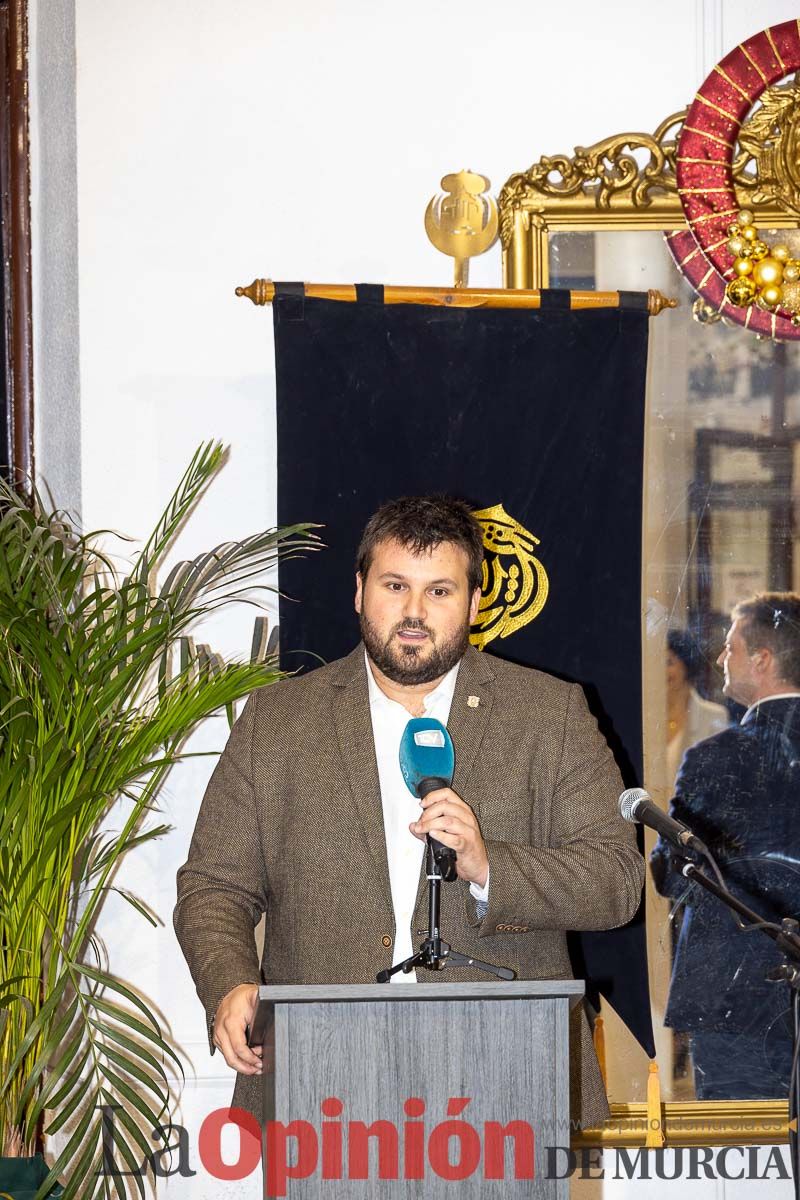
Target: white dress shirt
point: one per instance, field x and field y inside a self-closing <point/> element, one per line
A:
<point x="404" y="852"/>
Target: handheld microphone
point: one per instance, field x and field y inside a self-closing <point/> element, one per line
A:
<point x="636" y="805"/>
<point x="427" y="760"/>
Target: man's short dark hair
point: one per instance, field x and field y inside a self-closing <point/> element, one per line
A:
<point x="771" y="620"/>
<point x="420" y="523"/>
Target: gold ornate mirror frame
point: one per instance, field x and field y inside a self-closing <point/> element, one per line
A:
<point x="606" y="187"/>
<point x="627" y="182"/>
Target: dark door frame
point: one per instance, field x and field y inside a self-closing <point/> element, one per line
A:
<point x="17" y="456"/>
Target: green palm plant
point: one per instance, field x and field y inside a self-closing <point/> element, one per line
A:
<point x="100" y="685"/>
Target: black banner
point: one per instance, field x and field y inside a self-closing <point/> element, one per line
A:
<point x="536" y="418"/>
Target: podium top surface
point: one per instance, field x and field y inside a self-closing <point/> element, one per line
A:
<point x="392" y="993"/>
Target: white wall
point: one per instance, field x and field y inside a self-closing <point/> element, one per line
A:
<point x="215" y="142"/>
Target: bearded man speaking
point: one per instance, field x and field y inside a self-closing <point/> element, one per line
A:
<point x="307" y="817"/>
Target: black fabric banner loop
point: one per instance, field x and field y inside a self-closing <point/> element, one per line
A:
<point x="369" y="293"/>
<point x="553" y="299"/>
<point x="290" y="301"/>
<point x="638" y="301"/>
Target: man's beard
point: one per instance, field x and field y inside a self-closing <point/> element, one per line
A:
<point x="404" y="664"/>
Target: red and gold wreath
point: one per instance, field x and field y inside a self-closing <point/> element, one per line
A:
<point x="705" y="176"/>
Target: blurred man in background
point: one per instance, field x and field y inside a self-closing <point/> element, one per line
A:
<point x="738" y="792"/>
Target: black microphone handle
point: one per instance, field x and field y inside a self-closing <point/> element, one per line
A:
<point x="667" y="827"/>
<point x="430" y="784"/>
<point x="444" y="856"/>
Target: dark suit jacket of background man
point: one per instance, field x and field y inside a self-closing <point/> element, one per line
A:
<point x="739" y="791"/>
<point x="292" y="824"/>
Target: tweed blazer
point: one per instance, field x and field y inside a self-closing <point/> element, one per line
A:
<point x="291" y="825"/>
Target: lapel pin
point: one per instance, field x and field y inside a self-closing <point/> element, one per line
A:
<point x="473" y="701"/>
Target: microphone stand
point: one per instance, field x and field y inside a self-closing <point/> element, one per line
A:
<point x="787" y="937"/>
<point x="434" y="953"/>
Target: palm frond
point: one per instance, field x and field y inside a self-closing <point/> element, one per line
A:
<point x="101" y="684"/>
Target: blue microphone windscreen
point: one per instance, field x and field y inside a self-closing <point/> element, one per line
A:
<point x="426" y="751"/>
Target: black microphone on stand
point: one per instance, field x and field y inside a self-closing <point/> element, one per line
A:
<point x="636" y="805"/>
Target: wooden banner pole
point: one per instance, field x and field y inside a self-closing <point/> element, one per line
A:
<point x="262" y="291"/>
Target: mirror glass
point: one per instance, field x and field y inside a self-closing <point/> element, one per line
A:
<point x="722" y="488"/>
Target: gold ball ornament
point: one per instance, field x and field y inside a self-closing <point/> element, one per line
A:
<point x="745" y="217"/>
<point x="741" y="291"/>
<point x="736" y="245"/>
<point x="749" y="233"/>
<point x="791" y="270"/>
<point x="791" y="297"/>
<point x="734" y="230"/>
<point x="743" y="266"/>
<point x="781" y="253"/>
<point x="759" y="249"/>
<point x="703" y="313"/>
<point x="771" y="295"/>
<point x="767" y="271"/>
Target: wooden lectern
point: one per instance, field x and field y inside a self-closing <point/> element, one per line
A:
<point x="415" y="1090"/>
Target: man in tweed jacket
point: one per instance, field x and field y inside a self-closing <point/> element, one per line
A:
<point x="292" y="822"/>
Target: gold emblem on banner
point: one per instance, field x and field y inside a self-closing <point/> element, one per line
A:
<point x="515" y="584"/>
